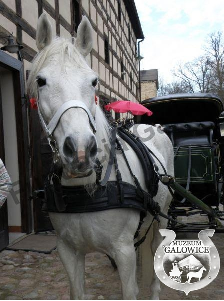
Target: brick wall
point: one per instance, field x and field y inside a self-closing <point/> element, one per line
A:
<point x="148" y="90"/>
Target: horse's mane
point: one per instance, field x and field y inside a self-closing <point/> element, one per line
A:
<point x="65" y="50"/>
<point x="102" y="135"/>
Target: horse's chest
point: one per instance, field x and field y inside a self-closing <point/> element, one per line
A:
<point x="97" y="230"/>
<point x="76" y="229"/>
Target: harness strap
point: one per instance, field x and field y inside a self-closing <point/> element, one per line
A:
<point x="152" y="206"/>
<point x="111" y="158"/>
<point x="147" y="165"/>
<point x="128" y="165"/>
<point x="142" y="216"/>
<point x="138" y="243"/>
<point x="66" y="106"/>
<point x="49" y="129"/>
<point x="58" y="193"/>
<point x="119" y="180"/>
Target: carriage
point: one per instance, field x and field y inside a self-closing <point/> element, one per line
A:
<point x="195" y="125"/>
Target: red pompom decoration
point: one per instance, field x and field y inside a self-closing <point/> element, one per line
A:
<point x="33" y="103"/>
<point x="96" y="99"/>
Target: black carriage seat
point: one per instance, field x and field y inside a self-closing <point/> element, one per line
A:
<point x="194" y="150"/>
<point x="191" y="133"/>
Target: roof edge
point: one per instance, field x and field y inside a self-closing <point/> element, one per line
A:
<point x="183" y="95"/>
<point x="134" y="18"/>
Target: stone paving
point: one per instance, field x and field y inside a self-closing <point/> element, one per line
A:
<point x="31" y="275"/>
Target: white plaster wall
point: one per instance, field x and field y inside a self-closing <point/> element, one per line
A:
<point x="11" y="4"/>
<point x="5" y="23"/>
<point x="107" y="76"/>
<point x="64" y="9"/>
<point x="52" y="3"/>
<point x="64" y="33"/>
<point x="10" y="140"/>
<point x="93" y="13"/>
<point x="85" y="5"/>
<point x="95" y="64"/>
<point x="100" y="23"/>
<point x="114" y="63"/>
<point x="28" y="40"/>
<point x="27" y="66"/>
<point x="30" y="12"/>
<point x="105" y="3"/>
<point x="95" y="43"/>
<point x="102" y="71"/>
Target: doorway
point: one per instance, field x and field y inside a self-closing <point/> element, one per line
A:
<point x="15" y="215"/>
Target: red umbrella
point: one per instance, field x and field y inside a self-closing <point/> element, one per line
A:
<point x="123" y="106"/>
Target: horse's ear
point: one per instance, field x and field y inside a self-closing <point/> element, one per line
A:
<point x="84" y="40"/>
<point x="44" y="32"/>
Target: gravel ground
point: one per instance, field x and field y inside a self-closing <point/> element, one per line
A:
<point x="31" y="275"/>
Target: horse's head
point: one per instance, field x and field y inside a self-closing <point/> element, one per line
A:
<point x="60" y="74"/>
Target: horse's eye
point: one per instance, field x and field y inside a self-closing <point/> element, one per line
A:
<point x="94" y="82"/>
<point x="41" y="82"/>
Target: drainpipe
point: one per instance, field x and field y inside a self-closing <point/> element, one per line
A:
<point x="139" y="67"/>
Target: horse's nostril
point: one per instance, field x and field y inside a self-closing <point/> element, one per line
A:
<point x="69" y="148"/>
<point x="92" y="147"/>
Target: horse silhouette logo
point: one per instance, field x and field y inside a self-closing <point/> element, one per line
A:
<point x="187" y="265"/>
<point x="196" y="275"/>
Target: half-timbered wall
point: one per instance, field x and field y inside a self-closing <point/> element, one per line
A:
<point x="110" y="21"/>
<point x="116" y="28"/>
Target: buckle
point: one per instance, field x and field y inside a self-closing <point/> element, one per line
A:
<point x="166" y="179"/>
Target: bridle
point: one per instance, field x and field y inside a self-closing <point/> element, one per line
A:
<point x="53" y="123"/>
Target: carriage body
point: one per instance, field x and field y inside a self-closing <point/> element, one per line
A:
<point x="195" y="126"/>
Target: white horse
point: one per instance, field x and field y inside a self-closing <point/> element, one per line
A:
<point x="60" y="73"/>
<point x="197" y="274"/>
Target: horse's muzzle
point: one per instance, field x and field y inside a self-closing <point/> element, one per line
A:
<point x="79" y="158"/>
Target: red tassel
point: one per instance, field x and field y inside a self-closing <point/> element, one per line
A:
<point x="33" y="103"/>
<point x="96" y="99"/>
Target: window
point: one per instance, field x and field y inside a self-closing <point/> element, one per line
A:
<point x="122" y="70"/>
<point x="106" y="50"/>
<point x="129" y="34"/>
<point x="131" y="81"/>
<point x="119" y="10"/>
<point x="76" y="15"/>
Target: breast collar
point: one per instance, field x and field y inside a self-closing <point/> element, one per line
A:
<point x="51" y="126"/>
